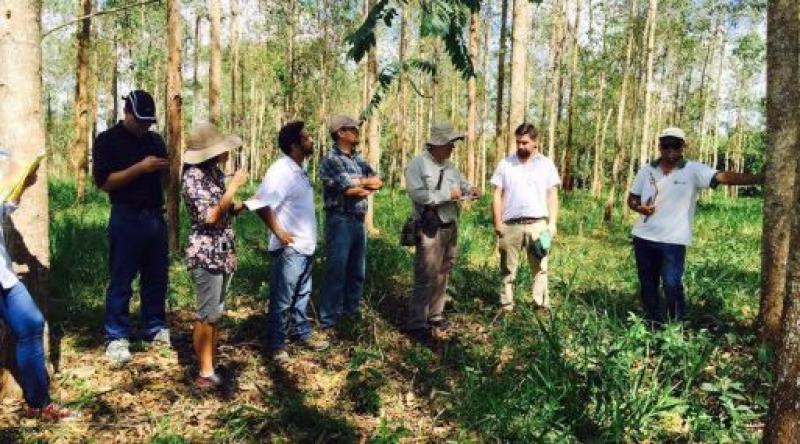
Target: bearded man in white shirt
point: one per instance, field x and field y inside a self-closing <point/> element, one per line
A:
<point x="525" y="210"/>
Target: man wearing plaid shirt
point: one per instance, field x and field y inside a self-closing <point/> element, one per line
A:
<point x="348" y="180"/>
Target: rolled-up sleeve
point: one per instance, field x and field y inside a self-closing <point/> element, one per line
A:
<point x="271" y="193"/>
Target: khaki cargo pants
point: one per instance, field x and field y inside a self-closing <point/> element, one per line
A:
<point x="433" y="260"/>
<point x="515" y="239"/>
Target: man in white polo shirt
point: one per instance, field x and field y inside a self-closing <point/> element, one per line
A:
<point x="525" y="210"/>
<point x="285" y="201"/>
<point x="665" y="194"/>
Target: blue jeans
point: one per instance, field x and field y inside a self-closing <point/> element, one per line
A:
<point x="26" y="322"/>
<point x="137" y="245"/>
<point x="346" y="242"/>
<point x="662" y="263"/>
<point x="289" y="293"/>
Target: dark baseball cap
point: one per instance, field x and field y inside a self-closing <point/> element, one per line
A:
<point x="142" y="105"/>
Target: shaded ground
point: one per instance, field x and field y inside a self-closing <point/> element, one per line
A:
<point x="587" y="372"/>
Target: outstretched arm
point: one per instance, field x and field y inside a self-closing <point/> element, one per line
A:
<point x="733" y="178"/>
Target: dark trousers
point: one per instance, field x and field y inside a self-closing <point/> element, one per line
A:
<point x="137" y="241"/>
<point x="23" y="318"/>
<point x="660" y="263"/>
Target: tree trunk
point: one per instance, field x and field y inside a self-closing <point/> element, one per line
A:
<point x="500" y="140"/>
<point x="484" y="98"/>
<point x="115" y="99"/>
<point x="22" y="131"/>
<point x="215" y="67"/>
<point x="235" y="67"/>
<point x="472" y="100"/>
<point x="80" y="148"/>
<point x="619" y="140"/>
<point x="651" y="37"/>
<point x="783" y="132"/>
<point x="373" y="134"/>
<point x="573" y="84"/>
<point x="195" y="68"/>
<point x="556" y="47"/>
<point x="289" y="110"/>
<point x="403" y="79"/>
<point x="174" y="122"/>
<point x="521" y="24"/>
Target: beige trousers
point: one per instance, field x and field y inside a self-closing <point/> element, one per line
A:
<point x="434" y="259"/>
<point x="515" y="239"/>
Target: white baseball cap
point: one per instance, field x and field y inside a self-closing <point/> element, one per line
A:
<point x="673" y="132"/>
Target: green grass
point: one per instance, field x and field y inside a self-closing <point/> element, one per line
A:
<point x="589" y="372"/>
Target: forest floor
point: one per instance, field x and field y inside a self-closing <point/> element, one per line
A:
<point x="589" y="371"/>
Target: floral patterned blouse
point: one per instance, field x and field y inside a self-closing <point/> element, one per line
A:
<point x="211" y="247"/>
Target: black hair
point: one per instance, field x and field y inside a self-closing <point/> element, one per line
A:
<point x="289" y="135"/>
<point x="527" y="128"/>
<point x="128" y="107"/>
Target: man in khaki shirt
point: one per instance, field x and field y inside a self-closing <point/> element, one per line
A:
<point x="435" y="187"/>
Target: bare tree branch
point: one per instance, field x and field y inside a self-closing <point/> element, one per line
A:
<point x="96" y="14"/>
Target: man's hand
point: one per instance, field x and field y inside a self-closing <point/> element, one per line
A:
<point x="371" y="183"/>
<point x="499" y="228"/>
<point x="474" y="193"/>
<point x="646" y="210"/>
<point x="153" y="163"/>
<point x="285" y="237"/>
<point x="552" y="229"/>
<point x="455" y="193"/>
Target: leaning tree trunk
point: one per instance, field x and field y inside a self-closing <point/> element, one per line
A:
<point x="22" y="131"/>
<point x="80" y="147"/>
<point x="215" y="67"/>
<point x="519" y="51"/>
<point x="174" y="123"/>
<point x="783" y="131"/>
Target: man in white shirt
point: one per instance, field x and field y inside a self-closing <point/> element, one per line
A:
<point x="435" y="187"/>
<point x="665" y="193"/>
<point x="525" y="210"/>
<point x="285" y="202"/>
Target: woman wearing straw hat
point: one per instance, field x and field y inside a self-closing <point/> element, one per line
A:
<point x="210" y="255"/>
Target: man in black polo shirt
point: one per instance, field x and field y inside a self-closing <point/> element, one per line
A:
<point x="128" y="162"/>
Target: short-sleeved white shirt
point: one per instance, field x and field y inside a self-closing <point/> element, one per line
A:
<point x="675" y="200"/>
<point x="287" y="190"/>
<point x="525" y="185"/>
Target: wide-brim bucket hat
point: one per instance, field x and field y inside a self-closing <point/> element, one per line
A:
<point x="206" y="142"/>
<point x="443" y="133"/>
